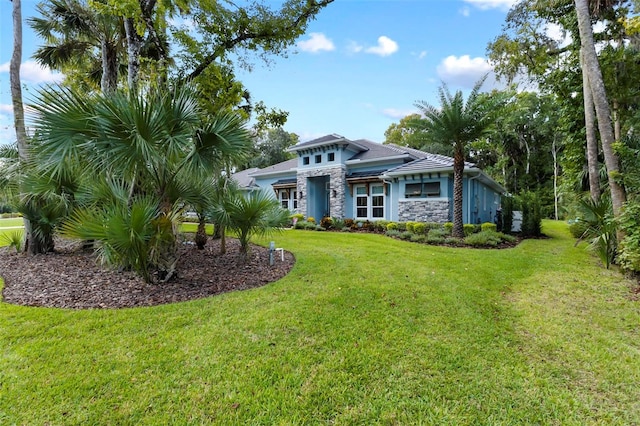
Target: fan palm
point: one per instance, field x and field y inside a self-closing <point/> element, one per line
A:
<point x="74" y="33"/>
<point x="457" y="123"/>
<point x="154" y="146"/>
<point x="256" y="213"/>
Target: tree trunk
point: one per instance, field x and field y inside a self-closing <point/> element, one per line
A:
<point x="109" y="81"/>
<point x="18" y="108"/>
<point x="596" y="83"/>
<point x="201" y="234"/>
<point x="592" y="140"/>
<point x="554" y="153"/>
<point x="458" y="171"/>
<point x="133" y="52"/>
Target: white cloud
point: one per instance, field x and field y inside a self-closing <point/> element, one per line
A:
<point x="6" y="108"/>
<point x="464" y="70"/>
<point x="465" y="11"/>
<point x="558" y="34"/>
<point x="317" y="42"/>
<point x="354" y="47"/>
<point x="385" y="47"/>
<point x="32" y="72"/>
<point x="397" y="113"/>
<point x="492" y="4"/>
<point x="420" y="55"/>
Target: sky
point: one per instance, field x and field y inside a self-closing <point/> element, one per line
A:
<point x="361" y="66"/>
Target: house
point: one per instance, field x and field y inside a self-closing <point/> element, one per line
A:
<point x="364" y="180"/>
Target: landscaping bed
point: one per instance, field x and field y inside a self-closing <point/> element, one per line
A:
<point x="71" y="277"/>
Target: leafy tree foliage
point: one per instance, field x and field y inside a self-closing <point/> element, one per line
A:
<point x="271" y="147"/>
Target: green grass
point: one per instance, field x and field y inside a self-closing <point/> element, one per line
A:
<point x="364" y="330"/>
<point x="10" y="222"/>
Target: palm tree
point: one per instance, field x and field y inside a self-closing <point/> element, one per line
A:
<point x="591" y="67"/>
<point x="74" y="32"/>
<point x="154" y="146"/>
<point x="256" y="213"/>
<point x="457" y="123"/>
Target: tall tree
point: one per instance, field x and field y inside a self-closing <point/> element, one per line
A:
<point x="458" y="123"/>
<point x="592" y="140"/>
<point x="603" y="112"/>
<point x="30" y="245"/>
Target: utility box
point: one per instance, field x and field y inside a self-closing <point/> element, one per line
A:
<point x="516" y="225"/>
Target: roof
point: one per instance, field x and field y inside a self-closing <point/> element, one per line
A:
<point x="378" y="151"/>
<point x="244" y="179"/>
<point x="429" y="162"/>
<point x="327" y="140"/>
<point x="285" y="166"/>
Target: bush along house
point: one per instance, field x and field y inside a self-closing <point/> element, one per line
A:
<point x="334" y="176"/>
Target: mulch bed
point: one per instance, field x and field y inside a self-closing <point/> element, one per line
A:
<point x="71" y="278"/>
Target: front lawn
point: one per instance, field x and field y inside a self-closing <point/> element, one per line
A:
<point x="365" y="330"/>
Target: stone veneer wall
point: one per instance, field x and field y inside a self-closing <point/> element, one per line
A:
<point x="423" y="211"/>
<point x="337" y="179"/>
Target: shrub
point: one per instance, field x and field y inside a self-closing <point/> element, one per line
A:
<point x="348" y="223"/>
<point x="452" y="241"/>
<point x="508" y="206"/>
<point x="415" y="238"/>
<point x="368" y="226"/>
<point x="433" y="225"/>
<point x="319" y="228"/>
<point x="326" y="222"/>
<point x="483" y="238"/>
<point x="488" y="226"/>
<point x="406" y="235"/>
<point x="419" y="228"/>
<point x="402" y="226"/>
<point x="434" y="239"/>
<point x="531" y="214"/>
<point x="309" y="225"/>
<point x="468" y="229"/>
<point x="439" y="233"/>
<point x="409" y="226"/>
<point x="311" y="219"/>
<point x="448" y="227"/>
<point x="392" y="226"/>
<point x="300" y="225"/>
<point x="298" y="216"/>
<point x="394" y="233"/>
<point x="380" y="225"/>
<point x="629" y="256"/>
<point x="577" y="228"/>
<point x="337" y="222"/>
<point x="601" y="229"/>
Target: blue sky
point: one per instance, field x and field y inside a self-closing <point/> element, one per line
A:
<point x="360" y="67"/>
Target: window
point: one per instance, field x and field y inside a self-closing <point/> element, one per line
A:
<point x="305" y="160"/>
<point x="362" y="200"/>
<point x="369" y="205"/>
<point x="318" y="158"/>
<point x="377" y="201"/>
<point x="421" y="190"/>
<point x="331" y="156"/>
<point x="295" y="200"/>
<point x="284" y="199"/>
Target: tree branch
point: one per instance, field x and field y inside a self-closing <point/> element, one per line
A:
<point x="311" y="9"/>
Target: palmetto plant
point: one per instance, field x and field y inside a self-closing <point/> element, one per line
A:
<point x="599" y="228"/>
<point x="256" y="213"/>
<point x="153" y="148"/>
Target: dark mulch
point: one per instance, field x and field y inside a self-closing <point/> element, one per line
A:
<point x="71" y="278"/>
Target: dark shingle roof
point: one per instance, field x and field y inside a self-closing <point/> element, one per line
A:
<point x="243" y="178"/>
<point x="376" y="151"/>
<point x="280" y="167"/>
<point x="321" y="140"/>
<point x="427" y="163"/>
